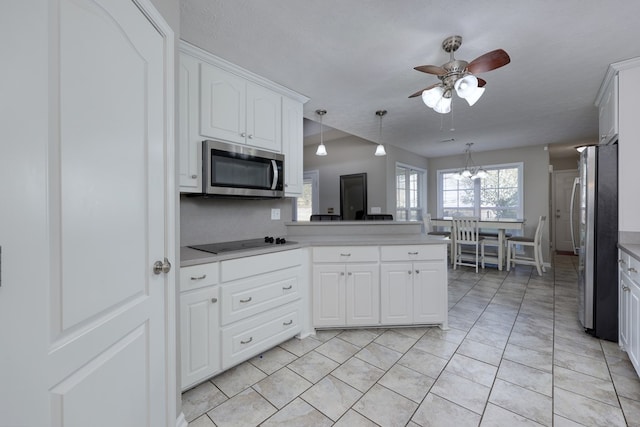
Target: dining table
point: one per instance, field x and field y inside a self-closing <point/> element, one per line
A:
<point x="501" y="225"/>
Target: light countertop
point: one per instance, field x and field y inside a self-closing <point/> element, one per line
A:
<point x="189" y="256"/>
<point x="632" y="249"/>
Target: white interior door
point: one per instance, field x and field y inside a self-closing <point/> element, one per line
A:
<point x="88" y="343"/>
<point x="563" y="185"/>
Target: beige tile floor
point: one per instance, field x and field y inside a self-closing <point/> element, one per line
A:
<point x="514" y="355"/>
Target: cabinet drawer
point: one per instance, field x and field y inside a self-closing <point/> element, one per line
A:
<point x="345" y="254"/>
<point x="198" y="276"/>
<point x="413" y="252"/>
<point x="240" y="268"/>
<point x="247" y="338"/>
<point x="245" y="298"/>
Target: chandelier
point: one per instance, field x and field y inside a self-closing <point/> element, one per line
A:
<point x="470" y="170"/>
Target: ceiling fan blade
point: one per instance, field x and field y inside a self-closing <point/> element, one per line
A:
<point x="418" y="93"/>
<point x="481" y="82"/>
<point x="489" y="61"/>
<point x="431" y="69"/>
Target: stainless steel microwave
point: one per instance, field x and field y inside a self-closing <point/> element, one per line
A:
<point x="240" y="171"/>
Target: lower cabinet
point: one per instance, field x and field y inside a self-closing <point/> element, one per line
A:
<point x="345" y="294"/>
<point x="379" y="285"/>
<point x="232" y="310"/>
<point x="629" y="307"/>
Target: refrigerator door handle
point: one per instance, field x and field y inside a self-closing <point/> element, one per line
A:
<point x="576" y="182"/>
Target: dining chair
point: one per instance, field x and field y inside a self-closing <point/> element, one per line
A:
<point x="535" y="242"/>
<point x="428" y="227"/>
<point x="468" y="246"/>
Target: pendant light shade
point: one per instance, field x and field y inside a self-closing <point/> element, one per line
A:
<point x="322" y="150"/>
<point x="470" y="171"/>
<point x="380" y="151"/>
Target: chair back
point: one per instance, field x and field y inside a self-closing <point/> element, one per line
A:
<point x="465" y="229"/>
<point x="537" y="238"/>
<point x="428" y="227"/>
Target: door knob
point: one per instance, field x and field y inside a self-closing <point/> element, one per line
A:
<point x="161" y="267"/>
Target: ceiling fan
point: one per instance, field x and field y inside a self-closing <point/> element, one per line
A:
<point x="458" y="75"/>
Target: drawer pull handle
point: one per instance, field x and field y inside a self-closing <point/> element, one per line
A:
<point x="345" y="254"/>
<point x="287" y="323"/>
<point x="245" y="300"/>
<point x="625" y="288"/>
<point x="247" y="342"/>
<point x="621" y="261"/>
<point x="199" y="277"/>
<point x="632" y="270"/>
<point x="214" y="300"/>
<point x="350" y="273"/>
<point x="409" y="271"/>
<point x="417" y="271"/>
<point x="286" y="288"/>
<point x="412" y="253"/>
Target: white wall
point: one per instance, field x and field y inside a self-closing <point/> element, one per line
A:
<point x="535" y="187"/>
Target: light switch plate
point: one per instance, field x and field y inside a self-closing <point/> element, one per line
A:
<point x="275" y="213"/>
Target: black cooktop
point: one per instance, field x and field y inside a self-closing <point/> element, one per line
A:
<point x="241" y="245"/>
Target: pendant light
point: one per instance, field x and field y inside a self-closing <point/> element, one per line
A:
<point x="380" y="149"/>
<point x="470" y="170"/>
<point x="322" y="150"/>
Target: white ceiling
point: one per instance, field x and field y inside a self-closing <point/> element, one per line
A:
<point x="355" y="57"/>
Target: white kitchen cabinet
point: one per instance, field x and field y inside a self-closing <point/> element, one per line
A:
<point x="629" y="307"/>
<point x="199" y="323"/>
<point x="190" y="142"/>
<point x="346" y="288"/>
<point x="608" y="112"/>
<point x="292" y="147"/>
<point x="345" y="294"/>
<point x="413" y="285"/>
<point x="199" y="335"/>
<point x="235" y="110"/>
<point x="261" y="302"/>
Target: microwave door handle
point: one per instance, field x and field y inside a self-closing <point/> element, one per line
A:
<point x="274" y="165"/>
<point x="576" y="182"/>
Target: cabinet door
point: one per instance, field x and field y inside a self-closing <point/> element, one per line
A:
<point x="264" y="118"/>
<point x="429" y="292"/>
<point x="624" y="300"/>
<point x="362" y="295"/>
<point x="189" y="143"/>
<point x="222" y="105"/>
<point x="199" y="335"/>
<point x="633" y="348"/>
<point x="292" y="147"/>
<point x="396" y="293"/>
<point x="329" y="295"/>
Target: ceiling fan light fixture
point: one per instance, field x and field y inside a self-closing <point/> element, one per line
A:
<point x="443" y="106"/>
<point x="466" y="85"/>
<point x="473" y="97"/>
<point x="431" y="96"/>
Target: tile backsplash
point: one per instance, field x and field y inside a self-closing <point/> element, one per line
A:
<point x="211" y="220"/>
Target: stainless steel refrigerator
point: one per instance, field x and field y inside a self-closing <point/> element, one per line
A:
<point x="598" y="238"/>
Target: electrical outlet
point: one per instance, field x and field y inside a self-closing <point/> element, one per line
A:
<point x="275" y="213"/>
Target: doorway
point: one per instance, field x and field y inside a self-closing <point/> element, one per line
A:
<point x="309" y="202"/>
<point x="563" y="183"/>
<point x="353" y="196"/>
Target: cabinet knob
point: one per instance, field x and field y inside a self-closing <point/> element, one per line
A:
<point x="632" y="270"/>
<point x="194" y="176"/>
<point x="250" y="136"/>
<point x="409" y="271"/>
<point x="417" y="271"/>
<point x="342" y="273"/>
<point x="243" y="134"/>
<point x="350" y="273"/>
<point x="214" y="300"/>
<point x="621" y="261"/>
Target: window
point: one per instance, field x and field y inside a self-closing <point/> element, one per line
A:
<point x="499" y="195"/>
<point x="410" y="193"/>
<point x="308" y="203"/>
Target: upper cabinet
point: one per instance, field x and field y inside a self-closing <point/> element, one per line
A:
<point x="221" y="101"/>
<point x="608" y="112"/>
